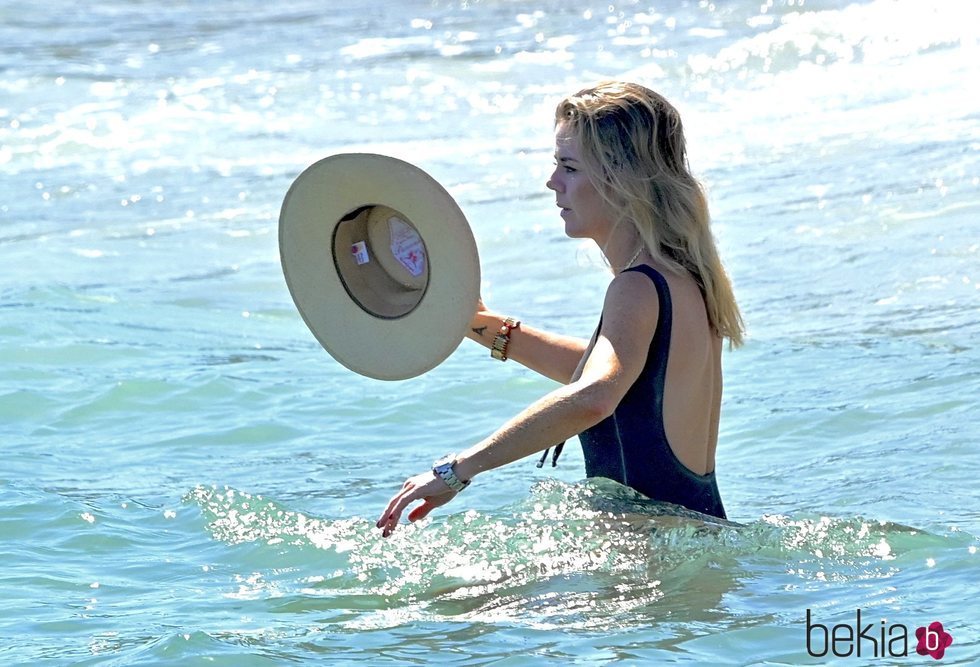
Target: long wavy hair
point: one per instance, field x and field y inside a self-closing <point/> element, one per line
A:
<point x="633" y="146"/>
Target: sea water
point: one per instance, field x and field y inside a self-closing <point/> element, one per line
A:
<point x="188" y="478"/>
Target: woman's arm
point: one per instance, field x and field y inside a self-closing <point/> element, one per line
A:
<point x="629" y="320"/>
<point x="553" y="355"/>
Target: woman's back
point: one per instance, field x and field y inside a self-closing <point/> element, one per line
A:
<point x="693" y="386"/>
<point x="661" y="437"/>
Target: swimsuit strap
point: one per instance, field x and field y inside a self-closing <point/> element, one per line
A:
<point x="663" y="325"/>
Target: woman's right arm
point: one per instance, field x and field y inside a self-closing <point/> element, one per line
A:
<point x="553" y="355"/>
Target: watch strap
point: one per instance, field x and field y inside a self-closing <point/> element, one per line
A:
<point x="444" y="470"/>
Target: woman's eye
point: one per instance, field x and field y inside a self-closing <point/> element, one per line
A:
<point x="565" y="168"/>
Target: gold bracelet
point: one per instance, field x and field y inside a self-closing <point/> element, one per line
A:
<point x="498" y="350"/>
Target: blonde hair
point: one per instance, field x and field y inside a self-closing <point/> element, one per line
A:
<point x="633" y="146"/>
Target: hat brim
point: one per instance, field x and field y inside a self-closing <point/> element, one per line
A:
<point x="378" y="346"/>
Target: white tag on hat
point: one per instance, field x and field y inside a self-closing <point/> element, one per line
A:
<point x="359" y="250"/>
<point x="407" y="246"/>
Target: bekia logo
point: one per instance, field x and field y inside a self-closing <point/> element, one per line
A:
<point x="882" y="640"/>
<point x="933" y="640"/>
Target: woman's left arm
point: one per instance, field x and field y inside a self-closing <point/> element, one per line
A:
<point x="629" y="318"/>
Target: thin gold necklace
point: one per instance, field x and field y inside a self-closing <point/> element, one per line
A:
<point x="632" y="259"/>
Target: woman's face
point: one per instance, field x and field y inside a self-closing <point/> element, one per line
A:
<point x="582" y="208"/>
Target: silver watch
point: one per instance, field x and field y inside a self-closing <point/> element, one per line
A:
<point x="443" y="469"/>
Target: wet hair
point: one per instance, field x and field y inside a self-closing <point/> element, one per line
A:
<point x="633" y="147"/>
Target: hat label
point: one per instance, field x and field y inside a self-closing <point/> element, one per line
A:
<point x="407" y="246"/>
<point x="360" y="253"/>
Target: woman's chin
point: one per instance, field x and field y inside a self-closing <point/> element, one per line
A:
<point x="572" y="228"/>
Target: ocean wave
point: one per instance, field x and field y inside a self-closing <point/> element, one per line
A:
<point x="589" y="554"/>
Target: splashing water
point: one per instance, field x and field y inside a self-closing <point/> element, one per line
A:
<point x="591" y="554"/>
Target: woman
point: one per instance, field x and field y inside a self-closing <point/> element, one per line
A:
<point x="644" y="394"/>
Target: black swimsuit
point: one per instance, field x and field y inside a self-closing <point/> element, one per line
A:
<point x="631" y="447"/>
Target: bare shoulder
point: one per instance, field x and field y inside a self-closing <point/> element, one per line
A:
<point x="632" y="298"/>
<point x="631" y="284"/>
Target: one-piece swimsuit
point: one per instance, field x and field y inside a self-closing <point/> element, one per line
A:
<point x="630" y="446"/>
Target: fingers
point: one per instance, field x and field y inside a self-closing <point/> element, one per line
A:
<point x="427" y="488"/>
<point x="411" y="490"/>
<point x="421" y="511"/>
<point x="389" y="518"/>
<point x="430" y="504"/>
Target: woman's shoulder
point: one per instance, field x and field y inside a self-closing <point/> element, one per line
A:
<point x="643" y="281"/>
<point x="640" y="288"/>
<point x="679" y="284"/>
<point x="632" y="297"/>
<point x="636" y="282"/>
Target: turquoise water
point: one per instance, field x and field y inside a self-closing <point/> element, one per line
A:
<point x="188" y="478"/>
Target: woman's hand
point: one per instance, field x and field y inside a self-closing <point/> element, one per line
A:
<point x="426" y="487"/>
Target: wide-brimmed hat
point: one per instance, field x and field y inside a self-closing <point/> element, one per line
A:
<point x="380" y="262"/>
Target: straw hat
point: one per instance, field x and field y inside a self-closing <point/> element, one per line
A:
<point x="380" y="262"/>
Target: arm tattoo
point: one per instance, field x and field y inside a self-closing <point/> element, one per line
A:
<point x="479" y="331"/>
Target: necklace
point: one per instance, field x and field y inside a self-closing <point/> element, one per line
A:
<point x="633" y="258"/>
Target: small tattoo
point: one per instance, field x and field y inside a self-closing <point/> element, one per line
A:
<point x="479" y="331"/>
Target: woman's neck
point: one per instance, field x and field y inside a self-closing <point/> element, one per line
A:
<point x="623" y="250"/>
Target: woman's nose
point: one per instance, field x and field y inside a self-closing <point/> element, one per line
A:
<point x="553" y="182"/>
